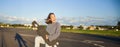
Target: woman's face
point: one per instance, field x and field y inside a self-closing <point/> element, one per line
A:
<point x="53" y="18"/>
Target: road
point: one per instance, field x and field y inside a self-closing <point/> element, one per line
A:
<point x="16" y="37"/>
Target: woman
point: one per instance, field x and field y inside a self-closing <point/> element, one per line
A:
<point x="53" y="29"/>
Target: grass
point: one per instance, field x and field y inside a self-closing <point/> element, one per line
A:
<point x="96" y="32"/>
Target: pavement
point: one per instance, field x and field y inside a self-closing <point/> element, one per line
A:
<point x="18" y="37"/>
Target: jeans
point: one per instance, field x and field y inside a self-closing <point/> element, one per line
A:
<point x="39" y="40"/>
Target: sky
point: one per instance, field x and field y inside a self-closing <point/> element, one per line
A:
<point x="68" y="12"/>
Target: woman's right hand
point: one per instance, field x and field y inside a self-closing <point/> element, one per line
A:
<point x="46" y="36"/>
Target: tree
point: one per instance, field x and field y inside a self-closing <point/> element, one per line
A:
<point x="80" y="27"/>
<point x="71" y="26"/>
<point x="118" y="24"/>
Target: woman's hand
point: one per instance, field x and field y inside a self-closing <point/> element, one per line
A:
<point x="46" y="36"/>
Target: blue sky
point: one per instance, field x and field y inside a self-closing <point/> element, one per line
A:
<point x="68" y="12"/>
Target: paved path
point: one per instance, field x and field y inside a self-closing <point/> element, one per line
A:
<point x="15" y="37"/>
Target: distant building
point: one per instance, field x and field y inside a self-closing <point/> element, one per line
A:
<point x="85" y="27"/>
<point x="101" y="28"/>
<point x="69" y="27"/>
<point x="7" y="25"/>
<point x="65" y="27"/>
<point x="75" y="27"/>
<point x="92" y="27"/>
<point x="1" y="26"/>
<point x="89" y="27"/>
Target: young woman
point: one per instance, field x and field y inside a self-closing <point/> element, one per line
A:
<point x="53" y="29"/>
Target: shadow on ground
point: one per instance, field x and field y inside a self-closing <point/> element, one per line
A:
<point x="20" y="40"/>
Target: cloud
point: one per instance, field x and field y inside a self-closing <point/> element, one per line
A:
<point x="86" y="20"/>
<point x="14" y="19"/>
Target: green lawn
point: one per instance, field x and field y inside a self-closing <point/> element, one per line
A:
<point x="96" y="32"/>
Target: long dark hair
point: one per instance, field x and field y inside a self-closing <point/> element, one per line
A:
<point x="48" y="21"/>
